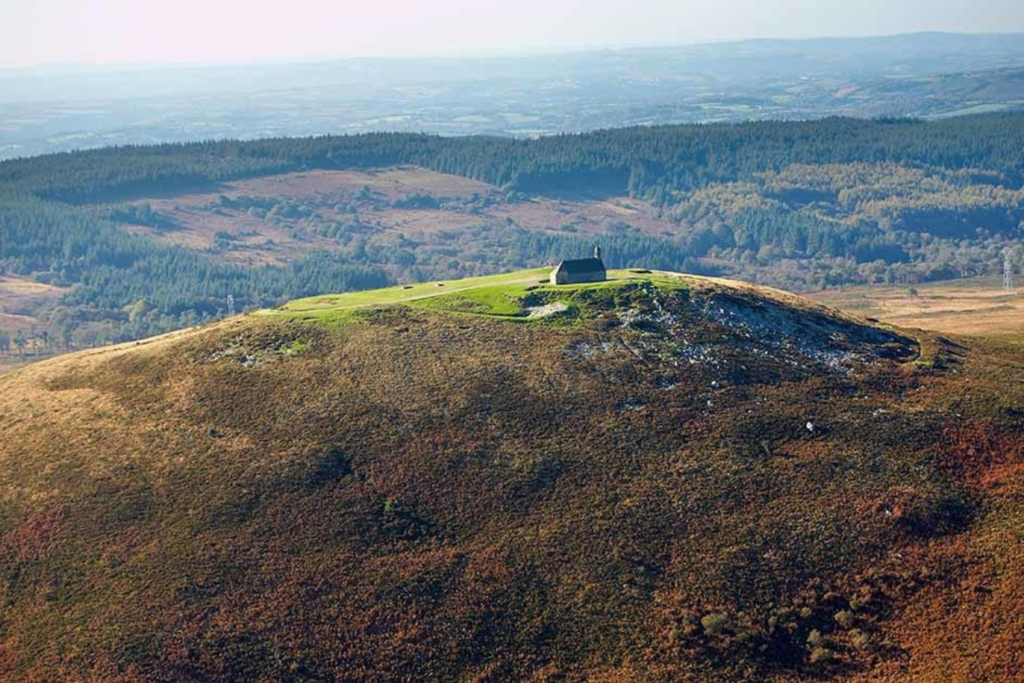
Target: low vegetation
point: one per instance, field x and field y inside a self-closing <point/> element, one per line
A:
<point x="673" y="478"/>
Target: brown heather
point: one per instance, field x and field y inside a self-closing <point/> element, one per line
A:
<point x="418" y="495"/>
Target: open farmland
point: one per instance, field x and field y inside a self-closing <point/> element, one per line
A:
<point x="975" y="306"/>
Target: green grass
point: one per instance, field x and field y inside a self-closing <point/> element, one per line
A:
<point x="505" y="296"/>
<point x="406" y="293"/>
<point x="498" y="300"/>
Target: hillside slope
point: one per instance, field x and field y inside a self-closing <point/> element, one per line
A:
<point x="654" y="478"/>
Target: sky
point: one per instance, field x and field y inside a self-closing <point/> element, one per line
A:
<point x="201" y="31"/>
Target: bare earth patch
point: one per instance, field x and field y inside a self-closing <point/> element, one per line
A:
<point x="12" y="286"/>
<point x="545" y="311"/>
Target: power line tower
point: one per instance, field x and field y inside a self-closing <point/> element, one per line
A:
<point x="1008" y="271"/>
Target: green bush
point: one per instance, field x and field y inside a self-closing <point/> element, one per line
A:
<point x="714" y="623"/>
<point x="820" y="655"/>
<point x="862" y="640"/>
<point x="844" y="618"/>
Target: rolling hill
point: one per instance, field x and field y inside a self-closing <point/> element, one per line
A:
<point x="659" y="477"/>
<point x="61" y="108"/>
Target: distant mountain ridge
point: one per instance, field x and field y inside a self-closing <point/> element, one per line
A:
<point x="924" y="53"/>
<point x="56" y="108"/>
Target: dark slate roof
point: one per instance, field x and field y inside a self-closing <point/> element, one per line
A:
<point x="583" y="265"/>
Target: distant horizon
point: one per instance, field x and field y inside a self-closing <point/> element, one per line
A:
<point x="509" y="53"/>
<point x="38" y="33"/>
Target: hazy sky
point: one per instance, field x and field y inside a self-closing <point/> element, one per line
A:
<point x="118" y="31"/>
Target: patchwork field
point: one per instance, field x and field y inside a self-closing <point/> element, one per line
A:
<point x="975" y="307"/>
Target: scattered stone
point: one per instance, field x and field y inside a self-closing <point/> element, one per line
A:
<point x="544" y="311"/>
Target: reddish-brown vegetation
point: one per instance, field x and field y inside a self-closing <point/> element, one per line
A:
<point x="427" y="496"/>
<point x="370" y="203"/>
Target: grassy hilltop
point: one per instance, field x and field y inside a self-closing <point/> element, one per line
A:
<point x="659" y="477"/>
<point x="507" y="295"/>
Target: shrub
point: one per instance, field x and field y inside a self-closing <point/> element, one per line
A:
<point x="844" y="618"/>
<point x="714" y="623"/>
<point x="862" y="640"/>
<point x="820" y="655"/>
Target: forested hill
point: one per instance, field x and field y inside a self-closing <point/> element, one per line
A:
<point x="796" y="204"/>
<point x="649" y="162"/>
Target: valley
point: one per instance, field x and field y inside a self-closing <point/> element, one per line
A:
<point x="24" y="338"/>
